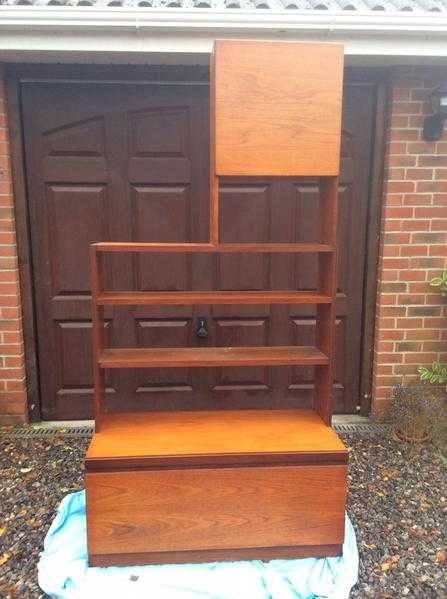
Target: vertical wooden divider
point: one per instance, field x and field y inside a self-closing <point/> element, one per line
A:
<point x="327" y="281"/>
<point x="98" y="336"/>
<point x="214" y="181"/>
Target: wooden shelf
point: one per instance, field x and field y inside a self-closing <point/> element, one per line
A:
<point x="224" y="436"/>
<point x="194" y="357"/>
<point x="118" y="246"/>
<point x="138" y="298"/>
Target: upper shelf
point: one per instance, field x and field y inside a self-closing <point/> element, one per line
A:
<point x="137" y="246"/>
<point x="183" y="298"/>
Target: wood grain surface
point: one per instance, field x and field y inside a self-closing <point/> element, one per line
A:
<point x="325" y="322"/>
<point x="135" y="298"/>
<point x="211" y="555"/>
<point x="266" y="248"/>
<point x="277" y="108"/>
<point x="211" y="433"/>
<point x="197" y="486"/>
<point x="210" y="357"/>
<point x="209" y="509"/>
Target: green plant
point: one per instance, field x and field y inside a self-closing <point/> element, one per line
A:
<point x="436" y="374"/>
<point x="440" y="282"/>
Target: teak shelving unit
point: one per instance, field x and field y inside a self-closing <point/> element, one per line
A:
<point x="199" y="486"/>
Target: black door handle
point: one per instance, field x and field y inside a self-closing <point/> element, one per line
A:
<point x="202" y="328"/>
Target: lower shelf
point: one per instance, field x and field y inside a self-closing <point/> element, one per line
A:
<point x="172" y="487"/>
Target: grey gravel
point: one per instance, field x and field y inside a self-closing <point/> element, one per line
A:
<point x="397" y="503"/>
<point x="35" y="474"/>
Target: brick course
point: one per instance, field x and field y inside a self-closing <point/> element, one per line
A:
<point x="411" y="316"/>
<point x="12" y="368"/>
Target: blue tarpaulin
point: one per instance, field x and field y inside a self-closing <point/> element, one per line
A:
<point x="64" y="572"/>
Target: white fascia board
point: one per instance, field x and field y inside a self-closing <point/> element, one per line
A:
<point x="67" y="31"/>
<point x="87" y="18"/>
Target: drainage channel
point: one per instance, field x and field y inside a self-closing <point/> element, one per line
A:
<point x="33" y="431"/>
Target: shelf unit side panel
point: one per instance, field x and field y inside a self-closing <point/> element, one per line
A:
<point x="98" y="341"/>
<point x="214" y="182"/>
<point x="326" y="314"/>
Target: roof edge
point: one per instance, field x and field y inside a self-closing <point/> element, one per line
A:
<point x="237" y="20"/>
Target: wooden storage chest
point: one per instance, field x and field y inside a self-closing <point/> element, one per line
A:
<point x="194" y="486"/>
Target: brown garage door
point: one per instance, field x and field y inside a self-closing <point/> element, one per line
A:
<point x="130" y="162"/>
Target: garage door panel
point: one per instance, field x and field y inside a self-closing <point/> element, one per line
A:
<point x="74" y="366"/>
<point x="70" y="208"/>
<point x="161" y="213"/>
<point x="244" y="217"/>
<point x="245" y="213"/>
<point x="65" y="169"/>
<point x="301" y="378"/>
<point x="160" y="146"/>
<point x="75" y="151"/>
<point x="160" y="131"/>
<point x="160" y="170"/>
<point x="73" y="385"/>
<point x="161" y="391"/>
<point x="85" y="138"/>
<point x="165" y="332"/>
<point x="305" y="215"/>
<point x="156" y="272"/>
<point x="303" y="273"/>
<point x="241" y="332"/>
<point x="346" y="258"/>
<point x="72" y="307"/>
<point x="247" y="272"/>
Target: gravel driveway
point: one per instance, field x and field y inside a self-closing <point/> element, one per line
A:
<point x="397" y="502"/>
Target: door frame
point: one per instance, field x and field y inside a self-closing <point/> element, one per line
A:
<point x="196" y="75"/>
<point x="374" y="219"/>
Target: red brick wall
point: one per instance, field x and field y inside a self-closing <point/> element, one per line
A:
<point x="12" y="370"/>
<point x="411" y="324"/>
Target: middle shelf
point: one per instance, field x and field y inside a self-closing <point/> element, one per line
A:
<point x="134" y="298"/>
<point x="211" y="357"/>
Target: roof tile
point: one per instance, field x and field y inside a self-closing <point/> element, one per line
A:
<point x="363" y="6"/>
